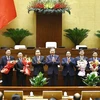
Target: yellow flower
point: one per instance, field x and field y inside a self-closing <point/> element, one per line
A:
<point x="48" y="5"/>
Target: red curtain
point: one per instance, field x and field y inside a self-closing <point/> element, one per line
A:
<point x="7" y="12"/>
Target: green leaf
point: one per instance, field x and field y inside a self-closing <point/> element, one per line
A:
<point x="76" y="35"/>
<point x="98" y="33"/>
<point x="39" y="80"/>
<point x="17" y="35"/>
<point x="92" y="79"/>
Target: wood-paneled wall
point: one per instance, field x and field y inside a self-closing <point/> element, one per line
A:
<point x="48" y="29"/>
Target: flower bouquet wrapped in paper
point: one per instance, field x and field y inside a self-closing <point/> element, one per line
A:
<point x="82" y="66"/>
<point x="8" y="66"/>
<point x="94" y="65"/>
<point x="26" y="61"/>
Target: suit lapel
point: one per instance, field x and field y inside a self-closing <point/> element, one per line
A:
<point x="19" y="62"/>
<point x="50" y="57"/>
<point x="66" y="59"/>
<point x="40" y="58"/>
<point x="5" y="58"/>
<point x="35" y="59"/>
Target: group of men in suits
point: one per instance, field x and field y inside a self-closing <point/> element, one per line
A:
<point x="52" y="61"/>
<point x="70" y="67"/>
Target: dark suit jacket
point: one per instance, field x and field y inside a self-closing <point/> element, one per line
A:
<point x="68" y="68"/>
<point x="38" y="67"/>
<point x="91" y="59"/>
<point x="52" y="66"/>
<point x="19" y="66"/>
<point x="78" y="58"/>
<point x="4" y="62"/>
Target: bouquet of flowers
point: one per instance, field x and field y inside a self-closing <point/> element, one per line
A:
<point x="92" y="79"/>
<point x="8" y="66"/>
<point x="94" y="65"/>
<point x="82" y="65"/>
<point x="26" y="61"/>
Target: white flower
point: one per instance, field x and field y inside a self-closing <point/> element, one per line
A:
<point x="96" y="73"/>
<point x="88" y="74"/>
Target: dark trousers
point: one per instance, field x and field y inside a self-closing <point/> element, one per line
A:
<point x="21" y="79"/>
<point x="53" y="79"/>
<point x="68" y="80"/>
<point x="7" y="79"/>
<point x="79" y="80"/>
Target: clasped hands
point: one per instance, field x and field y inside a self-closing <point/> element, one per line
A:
<point x="68" y="61"/>
<point x="54" y="60"/>
<point x="38" y="62"/>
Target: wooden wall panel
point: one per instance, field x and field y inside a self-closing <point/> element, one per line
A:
<point x="48" y="28"/>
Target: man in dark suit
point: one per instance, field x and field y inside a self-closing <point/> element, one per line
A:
<point x="21" y="77"/>
<point x="52" y="61"/>
<point x="7" y="78"/>
<point x="96" y="60"/>
<point x="81" y="57"/>
<point x="38" y="63"/>
<point x="68" y="71"/>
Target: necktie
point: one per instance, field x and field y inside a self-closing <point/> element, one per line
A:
<point x="20" y="59"/>
<point x="38" y="58"/>
<point x="8" y="58"/>
<point x="81" y="57"/>
<point x="53" y="58"/>
<point x="94" y="59"/>
<point x="68" y="59"/>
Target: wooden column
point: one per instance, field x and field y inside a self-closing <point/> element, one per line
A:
<point x="48" y="29"/>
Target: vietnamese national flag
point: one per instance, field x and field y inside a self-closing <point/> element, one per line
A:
<point x="7" y="12"/>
